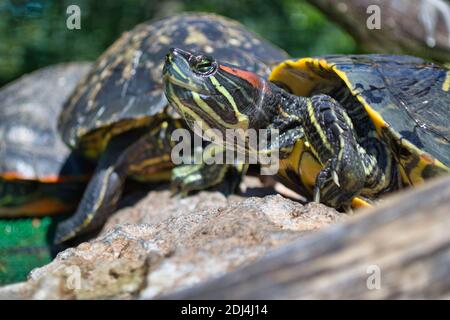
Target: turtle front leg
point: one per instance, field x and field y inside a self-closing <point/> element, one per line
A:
<point x="99" y="199"/>
<point x="226" y="178"/>
<point x="340" y="181"/>
<point x="346" y="165"/>
<point x="148" y="156"/>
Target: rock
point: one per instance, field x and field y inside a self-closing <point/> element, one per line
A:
<point x="165" y="243"/>
<point x="399" y="249"/>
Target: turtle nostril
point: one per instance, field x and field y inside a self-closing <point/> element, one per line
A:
<point x="186" y="55"/>
<point x="171" y="52"/>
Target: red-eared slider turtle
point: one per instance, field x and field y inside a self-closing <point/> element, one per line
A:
<point x="39" y="174"/>
<point x="120" y="116"/>
<point x="348" y="126"/>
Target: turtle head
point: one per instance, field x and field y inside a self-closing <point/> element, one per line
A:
<point x="215" y="94"/>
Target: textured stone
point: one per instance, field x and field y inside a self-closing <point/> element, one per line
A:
<point x="164" y="243"/>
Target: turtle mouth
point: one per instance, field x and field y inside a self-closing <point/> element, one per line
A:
<point x="169" y="79"/>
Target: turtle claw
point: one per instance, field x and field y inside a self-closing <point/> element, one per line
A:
<point x="335" y="178"/>
<point x="333" y="188"/>
<point x="193" y="177"/>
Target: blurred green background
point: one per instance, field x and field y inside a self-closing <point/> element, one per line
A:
<point x="33" y="33"/>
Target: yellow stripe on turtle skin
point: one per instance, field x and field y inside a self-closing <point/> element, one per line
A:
<point x="302" y="85"/>
<point x="183" y="110"/>
<point x="446" y="84"/>
<point x="90" y="215"/>
<point x="205" y="107"/>
<point x="308" y="167"/>
<point x="316" y="124"/>
<point x="415" y="176"/>
<point x="242" y="119"/>
<point x="374" y="115"/>
<point x="151" y="162"/>
<point x="180" y="73"/>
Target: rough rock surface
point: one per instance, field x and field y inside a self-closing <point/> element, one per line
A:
<point x="163" y="244"/>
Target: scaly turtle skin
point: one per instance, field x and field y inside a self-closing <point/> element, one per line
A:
<point x="120" y="115"/>
<point x="39" y="174"/>
<point x="350" y="126"/>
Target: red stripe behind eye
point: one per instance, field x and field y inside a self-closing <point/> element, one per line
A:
<point x="250" y="77"/>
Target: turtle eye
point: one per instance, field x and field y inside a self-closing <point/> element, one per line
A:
<point x="205" y="66"/>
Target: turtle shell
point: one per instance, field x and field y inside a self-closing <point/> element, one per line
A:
<point x="30" y="145"/>
<point x="124" y="90"/>
<point x="39" y="174"/>
<point x="407" y="98"/>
